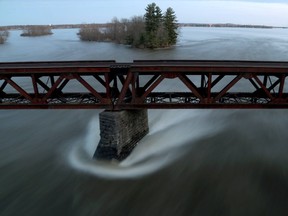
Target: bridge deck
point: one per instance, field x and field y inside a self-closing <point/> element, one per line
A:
<point x="143" y="84"/>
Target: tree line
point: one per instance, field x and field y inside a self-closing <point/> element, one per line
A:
<point x="153" y="30"/>
<point x="29" y="31"/>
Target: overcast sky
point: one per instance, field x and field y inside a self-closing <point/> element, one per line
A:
<point x="263" y="12"/>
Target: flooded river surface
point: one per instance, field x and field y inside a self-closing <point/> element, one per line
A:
<point x="192" y="162"/>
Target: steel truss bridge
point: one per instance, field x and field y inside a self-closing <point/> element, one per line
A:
<point x="143" y="84"/>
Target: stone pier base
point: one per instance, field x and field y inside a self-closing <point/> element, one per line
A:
<point x="120" y="131"/>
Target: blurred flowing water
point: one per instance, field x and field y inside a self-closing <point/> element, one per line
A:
<point x="192" y="162"/>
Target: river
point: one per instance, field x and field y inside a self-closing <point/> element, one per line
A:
<point x="192" y="162"/>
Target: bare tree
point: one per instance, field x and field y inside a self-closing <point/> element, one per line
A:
<point x="3" y="36"/>
<point x="116" y="30"/>
<point x="92" y="32"/>
<point x="135" y="34"/>
<point x="37" y="30"/>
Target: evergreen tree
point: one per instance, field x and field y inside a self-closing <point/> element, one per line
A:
<point x="153" y="17"/>
<point x="153" y="21"/>
<point x="153" y="30"/>
<point x="170" y="24"/>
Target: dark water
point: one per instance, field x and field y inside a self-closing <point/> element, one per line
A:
<point x="193" y="162"/>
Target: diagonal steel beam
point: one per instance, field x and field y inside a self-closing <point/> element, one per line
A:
<point x="125" y="87"/>
<point x="217" y="80"/>
<point x="100" y="80"/>
<point x="3" y="86"/>
<point x="42" y="84"/>
<point x="152" y="87"/>
<point x="149" y="83"/>
<point x="88" y="87"/>
<point x="63" y="84"/>
<point x="263" y="87"/>
<point x="274" y="85"/>
<point x="227" y="87"/>
<point x="190" y="85"/>
<point x="53" y="88"/>
<point x="254" y="84"/>
<point x="123" y="80"/>
<point x="19" y="89"/>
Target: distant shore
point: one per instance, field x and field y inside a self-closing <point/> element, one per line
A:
<point x="214" y="25"/>
<point x="229" y="25"/>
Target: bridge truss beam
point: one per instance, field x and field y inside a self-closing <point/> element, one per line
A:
<point x="143" y="84"/>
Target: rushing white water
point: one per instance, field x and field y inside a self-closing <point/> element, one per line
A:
<point x="169" y="132"/>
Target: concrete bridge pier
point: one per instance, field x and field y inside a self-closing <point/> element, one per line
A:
<point x="120" y="131"/>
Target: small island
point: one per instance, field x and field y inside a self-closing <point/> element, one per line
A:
<point x="153" y="30"/>
<point x="3" y="36"/>
<point x="36" y="30"/>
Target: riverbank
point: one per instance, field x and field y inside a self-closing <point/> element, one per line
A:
<point x="101" y="25"/>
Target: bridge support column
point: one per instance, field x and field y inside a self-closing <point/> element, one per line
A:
<point x="120" y="131"/>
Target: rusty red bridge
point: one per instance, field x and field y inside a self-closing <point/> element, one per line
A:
<point x="141" y="84"/>
<point x="127" y="90"/>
